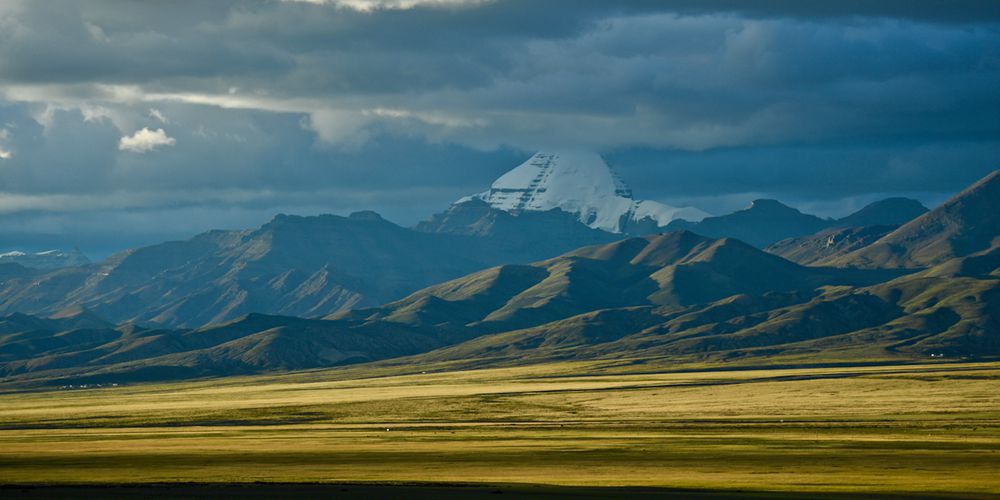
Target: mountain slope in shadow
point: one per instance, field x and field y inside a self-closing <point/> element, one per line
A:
<point x="608" y="291"/>
<point x="967" y="223"/>
<point x="294" y="266"/>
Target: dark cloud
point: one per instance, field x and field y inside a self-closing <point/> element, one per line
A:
<point x="934" y="11"/>
<point x="819" y="173"/>
<point x="296" y="106"/>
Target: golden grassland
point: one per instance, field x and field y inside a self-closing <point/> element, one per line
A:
<point x="931" y="428"/>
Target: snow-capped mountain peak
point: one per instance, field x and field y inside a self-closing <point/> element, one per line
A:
<point x="580" y="183"/>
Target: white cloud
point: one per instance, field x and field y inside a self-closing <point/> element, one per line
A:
<point x="5" y="154"/>
<point x="155" y="113"/>
<point x="346" y="198"/>
<point x="339" y="127"/>
<point x="91" y="112"/>
<point x="145" y="140"/>
<point x="97" y="33"/>
<point x="441" y="119"/>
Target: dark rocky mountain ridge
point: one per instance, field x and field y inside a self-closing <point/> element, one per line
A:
<point x="766" y="222"/>
<point x="299" y="266"/>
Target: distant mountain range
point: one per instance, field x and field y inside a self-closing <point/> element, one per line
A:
<point x="301" y="266"/>
<point x="316" y="266"/>
<point x="674" y="298"/>
<point x="962" y="226"/>
<point x="766" y="222"/>
<point x="478" y="285"/>
<point x="517" y="233"/>
<point x="49" y="259"/>
<point x="890" y="211"/>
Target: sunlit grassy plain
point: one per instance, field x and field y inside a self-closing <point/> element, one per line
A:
<point x="931" y="428"/>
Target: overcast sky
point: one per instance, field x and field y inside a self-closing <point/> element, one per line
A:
<point x="124" y="123"/>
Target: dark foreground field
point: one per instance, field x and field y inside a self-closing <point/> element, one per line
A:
<point x="415" y="491"/>
<point x="929" y="430"/>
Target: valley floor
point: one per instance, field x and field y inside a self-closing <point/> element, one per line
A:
<point x="901" y="429"/>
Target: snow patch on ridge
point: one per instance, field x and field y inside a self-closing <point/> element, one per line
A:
<point x="664" y="214"/>
<point x="49" y="259"/>
<point x="580" y="183"/>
